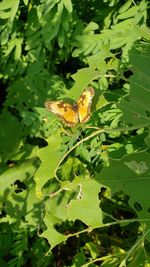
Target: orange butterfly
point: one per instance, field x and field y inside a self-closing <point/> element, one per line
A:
<point x="73" y="114"/>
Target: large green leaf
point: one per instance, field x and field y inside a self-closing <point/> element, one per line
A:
<point x="24" y="205"/>
<point x="86" y="206"/>
<point x="76" y="200"/>
<point x="22" y="172"/>
<point x="132" y="175"/>
<point x="50" y="157"/>
<point x="136" y="107"/>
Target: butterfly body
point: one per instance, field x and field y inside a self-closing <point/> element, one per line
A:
<point x="73" y="114"/>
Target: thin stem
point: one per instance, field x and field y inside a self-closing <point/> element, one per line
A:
<point x="125" y="221"/>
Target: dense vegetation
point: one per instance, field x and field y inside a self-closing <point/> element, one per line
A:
<point x="75" y="196"/>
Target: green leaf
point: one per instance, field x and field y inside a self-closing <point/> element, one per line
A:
<point x="93" y="249"/>
<point x="79" y="259"/>
<point x="131" y="174"/>
<point x="86" y="206"/>
<point x="14" y="9"/>
<point x="77" y="200"/>
<point x="13" y="5"/>
<point x="144" y="31"/>
<point x="6" y="4"/>
<point x="54" y="237"/>
<point x="4" y="14"/>
<point x="33" y="41"/>
<point x="24" y="205"/>
<point x="136" y="111"/>
<point x="50" y="157"/>
<point x="18" y="49"/>
<point x="83" y="152"/>
<point x="68" y="5"/>
<point x="102" y="102"/>
<point x="131" y="12"/>
<point x="125" y="7"/>
<point x="82" y="78"/>
<point x="10" y="135"/>
<point x="26" y="2"/>
<point x="61" y="37"/>
<point x="92" y="26"/>
<point x="98" y="59"/>
<point x="20" y="172"/>
<point x="11" y="8"/>
<point x="10" y="47"/>
<point x="72" y="166"/>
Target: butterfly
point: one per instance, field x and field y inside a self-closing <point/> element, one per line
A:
<point x="76" y="113"/>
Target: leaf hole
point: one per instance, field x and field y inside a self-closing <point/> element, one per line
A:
<point x="20" y="186"/>
<point x="128" y="74"/>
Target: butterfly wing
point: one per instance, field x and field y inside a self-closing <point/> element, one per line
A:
<point x="84" y="104"/>
<point x="63" y="110"/>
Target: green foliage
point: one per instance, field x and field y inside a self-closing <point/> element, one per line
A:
<point x="136" y="111"/>
<point x="83" y="191"/>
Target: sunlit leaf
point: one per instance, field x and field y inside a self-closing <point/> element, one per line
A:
<point x="54" y="237"/>
<point x="50" y="157"/>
